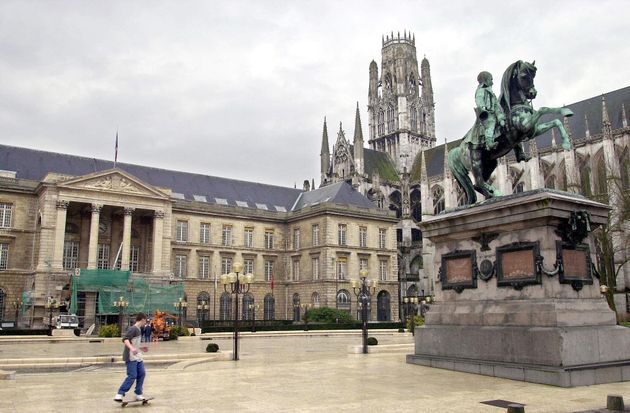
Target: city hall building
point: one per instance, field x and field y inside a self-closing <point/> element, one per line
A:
<point x="59" y="213"/>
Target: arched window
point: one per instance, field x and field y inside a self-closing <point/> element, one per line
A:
<point x="550" y="182"/>
<point x="270" y="307"/>
<point x="383" y="304"/>
<point x="343" y="300"/>
<point x="315" y="300"/>
<point x="585" y="181"/>
<point x="248" y="307"/>
<point x="381" y="122"/>
<point x="296" y="307"/>
<point x="390" y="119"/>
<point x="360" y="308"/>
<point x="462" y="199"/>
<point x="415" y="199"/>
<point x="438" y="199"/>
<point x="203" y="307"/>
<point x="225" y="308"/>
<point x="602" y="183"/>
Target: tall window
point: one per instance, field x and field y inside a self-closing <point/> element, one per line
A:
<point x="296" y="270"/>
<point x="225" y="308"/>
<point x="342" y="268"/>
<point x="438" y="199"/>
<point x="382" y="270"/>
<point x="182" y="231"/>
<point x="4" y="256"/>
<point x="248" y="266"/>
<point x="3" y="298"/>
<point x="362" y="237"/>
<point x="363" y="264"/>
<point x="268" y="270"/>
<point x="226" y="235"/>
<point x="134" y="258"/>
<point x="204" y="267"/>
<point x="102" y="262"/>
<point x="70" y="255"/>
<point x="226" y="265"/>
<point x="180" y="266"/>
<point x="315" y="235"/>
<point x="203" y="306"/>
<point x="296" y="239"/>
<point x="341" y="232"/>
<point x="269" y="239"/>
<point x="343" y="300"/>
<point x="204" y="233"/>
<point x="382" y="238"/>
<point x="381" y="122"/>
<point x="6" y="211"/>
<point x="315" y="268"/>
<point x="248" y="237"/>
<point x="390" y="118"/>
<point x="270" y="307"/>
<point x="414" y="118"/>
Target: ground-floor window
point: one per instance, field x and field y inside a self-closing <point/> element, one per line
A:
<point x="225" y="308"/>
<point x="383" y="306"/>
<point x="270" y="307"/>
<point x="343" y="300"/>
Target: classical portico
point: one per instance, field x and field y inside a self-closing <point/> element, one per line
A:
<point x="105" y="220"/>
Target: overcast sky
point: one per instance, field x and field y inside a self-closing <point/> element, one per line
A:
<point x="240" y="88"/>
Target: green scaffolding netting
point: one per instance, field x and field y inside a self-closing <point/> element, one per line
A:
<point x="112" y="285"/>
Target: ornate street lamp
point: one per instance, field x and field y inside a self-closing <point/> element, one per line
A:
<point x="239" y="284"/>
<point x="410" y="302"/>
<point x="51" y="305"/>
<point x="180" y="305"/>
<point x="121" y="304"/>
<point x="305" y="307"/>
<point x="202" y="307"/>
<point x="253" y="308"/>
<point x="363" y="290"/>
<point x="17" y="304"/>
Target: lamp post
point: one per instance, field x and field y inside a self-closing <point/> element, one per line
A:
<point x="253" y="308"/>
<point x="202" y="307"/>
<point x="409" y="303"/>
<point x="180" y="305"/>
<point x="51" y="305"/>
<point x="305" y="308"/>
<point x="239" y="284"/>
<point x="16" y="304"/>
<point x="363" y="290"/>
<point x="121" y="304"/>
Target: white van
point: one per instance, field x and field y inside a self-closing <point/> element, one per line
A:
<point x="67" y="321"/>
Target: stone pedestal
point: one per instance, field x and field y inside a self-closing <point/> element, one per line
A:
<point x="517" y="295"/>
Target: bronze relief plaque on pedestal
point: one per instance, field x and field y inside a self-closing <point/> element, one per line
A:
<point x="517" y="265"/>
<point x="575" y="263"/>
<point x="459" y="270"/>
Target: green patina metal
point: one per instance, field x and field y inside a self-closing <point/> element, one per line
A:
<point x="501" y="125"/>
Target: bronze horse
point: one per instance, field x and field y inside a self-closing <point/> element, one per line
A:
<point x="522" y="124"/>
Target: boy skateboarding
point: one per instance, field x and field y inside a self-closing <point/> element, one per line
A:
<point x="132" y="356"/>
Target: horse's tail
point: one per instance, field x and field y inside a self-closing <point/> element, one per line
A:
<point x="456" y="164"/>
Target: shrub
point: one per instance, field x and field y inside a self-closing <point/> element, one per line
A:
<point x="624" y="323"/>
<point x="328" y="315"/>
<point x="177" y="331"/>
<point x="109" y="330"/>
<point x="415" y="321"/>
<point x="372" y="341"/>
<point x="401" y="330"/>
<point x="212" y="348"/>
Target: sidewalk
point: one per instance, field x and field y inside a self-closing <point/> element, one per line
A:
<point x="295" y="374"/>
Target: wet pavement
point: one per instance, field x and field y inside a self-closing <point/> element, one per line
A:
<point x="282" y="373"/>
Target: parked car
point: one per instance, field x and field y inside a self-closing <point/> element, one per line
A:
<point x="67" y="321"/>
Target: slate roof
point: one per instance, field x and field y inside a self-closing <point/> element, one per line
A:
<point x="376" y="161"/>
<point x="592" y="108"/>
<point x="31" y="164"/>
<point x="435" y="161"/>
<point x="339" y="193"/>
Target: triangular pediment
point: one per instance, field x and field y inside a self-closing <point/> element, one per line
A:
<point x="113" y="180"/>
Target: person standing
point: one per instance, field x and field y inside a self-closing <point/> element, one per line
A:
<point x="132" y="356"/>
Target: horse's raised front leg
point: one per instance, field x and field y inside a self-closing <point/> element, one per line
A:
<point x="556" y="123"/>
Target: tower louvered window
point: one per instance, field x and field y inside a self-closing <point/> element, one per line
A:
<point x="381" y="122"/>
<point x="390" y="119"/>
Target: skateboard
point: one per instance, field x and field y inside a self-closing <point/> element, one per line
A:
<point x="145" y="401"/>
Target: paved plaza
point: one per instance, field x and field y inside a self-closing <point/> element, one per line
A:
<point x="281" y="373"/>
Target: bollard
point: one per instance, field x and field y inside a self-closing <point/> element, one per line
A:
<point x="515" y="408"/>
<point x="614" y="402"/>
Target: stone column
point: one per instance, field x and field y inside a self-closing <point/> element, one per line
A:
<point x="158" y="228"/>
<point x="60" y="232"/>
<point x="126" y="241"/>
<point x="93" y="246"/>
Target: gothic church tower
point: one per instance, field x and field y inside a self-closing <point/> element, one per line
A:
<point x="400" y="102"/>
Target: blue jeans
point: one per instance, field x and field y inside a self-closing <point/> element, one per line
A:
<point x="135" y="372"/>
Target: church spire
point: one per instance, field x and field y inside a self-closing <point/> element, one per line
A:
<point x="358" y="144"/>
<point x="606" y="126"/>
<point x="324" y="156"/>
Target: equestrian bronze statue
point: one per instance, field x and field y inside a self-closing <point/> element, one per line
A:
<point x="501" y="126"/>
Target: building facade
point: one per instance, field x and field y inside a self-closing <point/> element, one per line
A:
<point x="404" y="171"/>
<point x="60" y="213"/>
